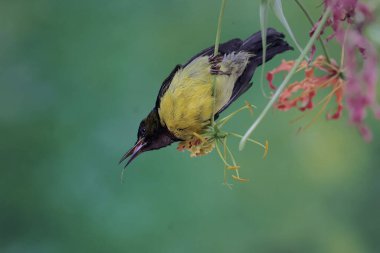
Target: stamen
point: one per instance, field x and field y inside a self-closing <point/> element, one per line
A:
<point x="233" y="167"/>
<point x="249" y="106"/>
<point x="223" y="121"/>
<point x="251" y="140"/>
<point x="237" y="178"/>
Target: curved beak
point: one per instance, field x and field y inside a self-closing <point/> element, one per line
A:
<point x="133" y="152"/>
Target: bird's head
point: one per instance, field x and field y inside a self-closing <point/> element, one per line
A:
<point x="151" y="135"/>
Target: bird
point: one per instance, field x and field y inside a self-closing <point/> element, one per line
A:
<point x="186" y="101"/>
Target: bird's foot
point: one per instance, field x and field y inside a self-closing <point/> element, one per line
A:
<point x="215" y="61"/>
<point x="215" y="70"/>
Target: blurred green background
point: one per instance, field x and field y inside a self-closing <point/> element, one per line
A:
<point x="76" y="78"/>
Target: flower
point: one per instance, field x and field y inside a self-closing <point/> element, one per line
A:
<point x="348" y="21"/>
<point x="203" y="143"/>
<point x="301" y="94"/>
<point x="197" y="145"/>
<point x="361" y="80"/>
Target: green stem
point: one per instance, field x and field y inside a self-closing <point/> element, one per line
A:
<point x="216" y="50"/>
<point x="312" y="24"/>
<point x="231" y="155"/>
<point x="220" y="154"/>
<point x="219" y="29"/>
<point x="286" y="80"/>
<point x="263" y="26"/>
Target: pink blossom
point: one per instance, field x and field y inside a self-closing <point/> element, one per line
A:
<point x="348" y="20"/>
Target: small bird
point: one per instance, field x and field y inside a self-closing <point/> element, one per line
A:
<point x="186" y="101"/>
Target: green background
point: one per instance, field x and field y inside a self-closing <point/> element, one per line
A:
<point x="76" y="78"/>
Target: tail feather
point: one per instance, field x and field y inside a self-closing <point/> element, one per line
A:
<point x="254" y="42"/>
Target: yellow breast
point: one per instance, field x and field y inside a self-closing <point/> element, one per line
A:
<point x="187" y="105"/>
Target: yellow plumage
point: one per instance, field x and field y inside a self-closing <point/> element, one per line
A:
<point x="187" y="105"/>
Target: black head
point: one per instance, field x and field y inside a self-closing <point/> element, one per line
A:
<point x="151" y="135"/>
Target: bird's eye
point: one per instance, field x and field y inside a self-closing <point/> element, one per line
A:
<point x="142" y="131"/>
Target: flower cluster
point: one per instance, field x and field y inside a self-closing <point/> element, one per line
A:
<point x="354" y="80"/>
<point x="197" y="145"/>
<point x="348" y="21"/>
<point x="310" y="85"/>
<point x="214" y="137"/>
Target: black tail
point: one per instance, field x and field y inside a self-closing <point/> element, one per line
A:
<point x="253" y="44"/>
<point x="275" y="44"/>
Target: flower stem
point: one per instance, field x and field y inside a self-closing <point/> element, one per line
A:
<point x="219" y="29"/>
<point x="220" y="154"/>
<point x="286" y="80"/>
<point x="312" y="24"/>
<point x="216" y="50"/>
